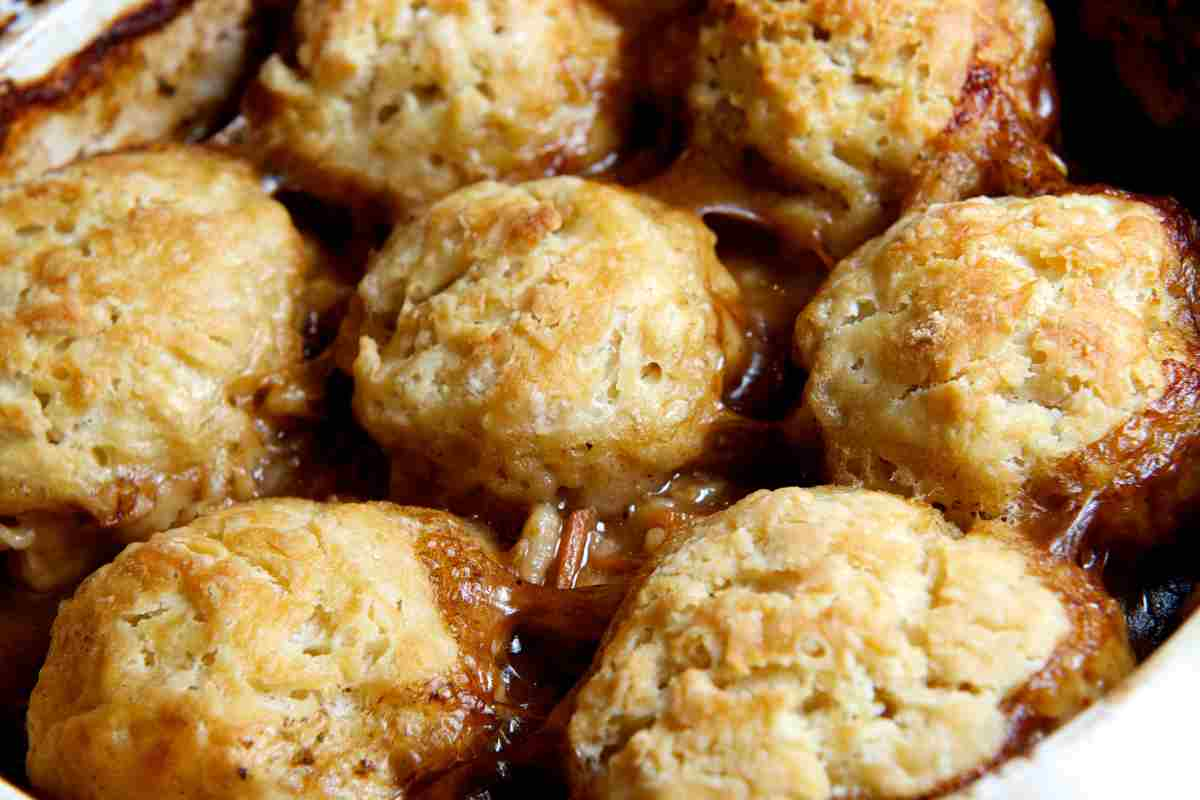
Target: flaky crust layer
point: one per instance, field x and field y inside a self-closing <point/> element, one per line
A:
<point x="145" y="298"/>
<point x="164" y="70"/>
<point x="833" y="103"/>
<point x="559" y="336"/>
<point x="406" y="101"/>
<point x="816" y="643"/>
<point x="280" y="648"/>
<point x="969" y="353"/>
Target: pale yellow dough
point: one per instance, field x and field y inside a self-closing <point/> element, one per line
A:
<point x="281" y="648"/>
<point x="821" y="643"/>
<point x="962" y="355"/>
<point x="560" y="337"/>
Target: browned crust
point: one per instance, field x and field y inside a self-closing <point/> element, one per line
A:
<point x="286" y="434"/>
<point x="483" y="603"/>
<point x="1080" y="670"/>
<point x="472" y="592"/>
<point x="86" y="69"/>
<point x="1129" y="488"/>
<point x="1071" y="680"/>
<point x="1132" y="487"/>
<point x="989" y="146"/>
<point x="372" y="201"/>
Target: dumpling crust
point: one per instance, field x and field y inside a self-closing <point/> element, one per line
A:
<point x="161" y="69"/>
<point x="405" y="101"/>
<point x="986" y="355"/>
<point x="276" y="648"/>
<point x="557" y="337"/>
<point x="832" y="104"/>
<point x="145" y="299"/>
<point x="817" y="643"/>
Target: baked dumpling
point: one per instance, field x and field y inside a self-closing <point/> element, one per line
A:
<point x="276" y="648"/>
<point x="405" y="101"/>
<point x="149" y="304"/>
<point x="1004" y="357"/>
<point x="831" y="642"/>
<point x="79" y="80"/>
<point x="831" y="107"/>
<point x="560" y="339"/>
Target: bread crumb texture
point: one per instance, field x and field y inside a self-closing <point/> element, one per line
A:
<point x="834" y="101"/>
<point x="408" y="100"/>
<point x="560" y="336"/>
<point x="279" y="648"/>
<point x="816" y="643"/>
<point x="144" y="299"/>
<point x="971" y="348"/>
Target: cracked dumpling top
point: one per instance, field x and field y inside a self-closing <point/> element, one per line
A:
<point x="834" y="102"/>
<point x="276" y="648"/>
<point x="407" y="101"/>
<point x="145" y="299"/>
<point x="818" y="643"/>
<point x="560" y="336"/>
<point x="978" y="350"/>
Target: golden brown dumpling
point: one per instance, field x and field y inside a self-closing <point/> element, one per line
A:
<point x="406" y="101"/>
<point x="149" y="301"/>
<point x="276" y="648"/>
<point x="82" y="80"/>
<point x="559" y="337"/>
<point x="833" y="105"/>
<point x="1002" y="357"/>
<point x="821" y="643"/>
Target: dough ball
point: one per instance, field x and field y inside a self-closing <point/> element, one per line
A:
<point x="147" y="302"/>
<point x="276" y="648"/>
<point x="832" y="104"/>
<point x="556" y="338"/>
<point x="83" y="80"/>
<point x="819" y="643"/>
<point x="407" y="101"/>
<point x="986" y="355"/>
